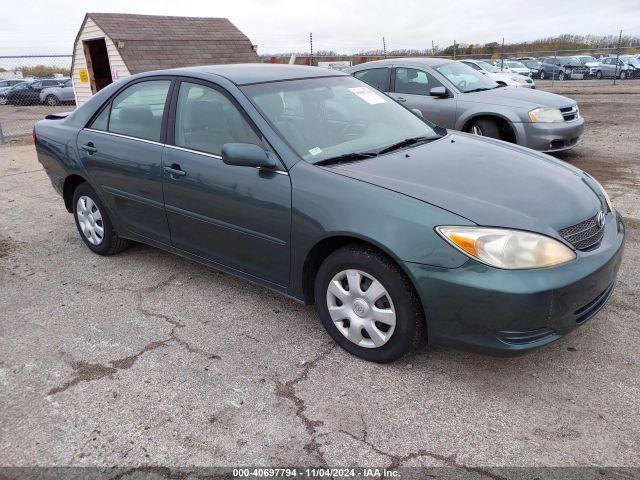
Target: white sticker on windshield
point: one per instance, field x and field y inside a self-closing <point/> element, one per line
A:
<point x="315" y="151"/>
<point x="368" y="95"/>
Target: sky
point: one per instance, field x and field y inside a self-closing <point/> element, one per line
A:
<point x="346" y="26"/>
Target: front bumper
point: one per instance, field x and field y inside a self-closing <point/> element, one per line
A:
<point x="505" y="312"/>
<point x="551" y="137"/>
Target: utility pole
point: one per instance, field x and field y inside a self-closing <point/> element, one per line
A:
<point x="433" y="49"/>
<point x="384" y="47"/>
<point x="311" y="45"/>
<point x="454" y="49"/>
<point x="502" y="55"/>
<point x="615" y="74"/>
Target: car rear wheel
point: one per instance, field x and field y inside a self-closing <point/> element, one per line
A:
<point x="3" y="100"/>
<point x="542" y="75"/>
<point x="367" y="304"/>
<point x="94" y="224"/>
<point x="52" y="100"/>
<point x="485" y="127"/>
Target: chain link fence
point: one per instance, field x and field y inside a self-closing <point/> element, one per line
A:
<point x="33" y="86"/>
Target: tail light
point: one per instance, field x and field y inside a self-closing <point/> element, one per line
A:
<point x="33" y="134"/>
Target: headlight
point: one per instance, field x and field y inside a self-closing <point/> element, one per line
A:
<point x="544" y="115"/>
<point x="605" y="195"/>
<point x="518" y="78"/>
<point x="508" y="249"/>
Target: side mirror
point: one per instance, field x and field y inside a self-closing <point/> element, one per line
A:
<point x="417" y="112"/>
<point x="438" y="92"/>
<point x="247" y="155"/>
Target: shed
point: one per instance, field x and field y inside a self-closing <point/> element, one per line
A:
<point x="110" y="46"/>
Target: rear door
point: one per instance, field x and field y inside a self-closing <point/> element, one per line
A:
<point x="411" y="87"/>
<point x="238" y="217"/>
<point x="122" y="153"/>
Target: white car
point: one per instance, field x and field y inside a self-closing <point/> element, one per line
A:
<point x="515" y="66"/>
<point x="590" y="62"/>
<point x="504" y="77"/>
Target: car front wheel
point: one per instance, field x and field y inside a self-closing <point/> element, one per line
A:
<point x="94" y="224"/>
<point x="367" y="304"/>
<point x="52" y="100"/>
<point x="485" y="127"/>
<point x="623" y="75"/>
<point x="599" y="75"/>
<point x="3" y="100"/>
<point x="542" y="75"/>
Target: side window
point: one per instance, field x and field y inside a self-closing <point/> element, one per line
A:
<point x="101" y="122"/>
<point x="36" y="85"/>
<point x="415" y="82"/>
<point x="68" y="83"/>
<point x="473" y="65"/>
<point x="206" y="119"/>
<point x="378" y="78"/>
<point x="137" y="111"/>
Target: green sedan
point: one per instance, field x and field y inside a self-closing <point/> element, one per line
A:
<point x="311" y="183"/>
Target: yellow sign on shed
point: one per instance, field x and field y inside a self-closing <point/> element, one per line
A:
<point x="84" y="76"/>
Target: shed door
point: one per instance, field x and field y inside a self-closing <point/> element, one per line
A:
<point x="95" y="52"/>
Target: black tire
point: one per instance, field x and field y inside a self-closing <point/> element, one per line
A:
<point x="562" y="76"/>
<point x="52" y="100"/>
<point x="3" y="100"/>
<point x="542" y="75"/>
<point x="410" y="323"/>
<point x="599" y="74"/>
<point x="623" y="75"/>
<point x="111" y="242"/>
<point x="485" y="127"/>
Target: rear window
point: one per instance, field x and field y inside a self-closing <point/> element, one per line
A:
<point x="378" y="78"/>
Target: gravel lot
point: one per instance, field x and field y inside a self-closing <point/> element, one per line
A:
<point x="149" y="359"/>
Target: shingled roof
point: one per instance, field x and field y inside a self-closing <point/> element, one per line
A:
<point x="151" y="42"/>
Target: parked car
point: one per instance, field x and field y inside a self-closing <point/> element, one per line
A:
<point x="454" y="95"/>
<point x="590" y="62"/>
<point x="612" y="67"/>
<point x="59" y="94"/>
<point x="309" y="182"/>
<point x="633" y="62"/>
<point x="503" y="78"/>
<point x="5" y="86"/>
<point x="516" y="67"/>
<point x="28" y="93"/>
<point x="533" y="65"/>
<point x="563" y="68"/>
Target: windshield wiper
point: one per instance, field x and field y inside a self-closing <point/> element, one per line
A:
<point x="407" y="142"/>
<point x="481" y="89"/>
<point x="347" y="157"/>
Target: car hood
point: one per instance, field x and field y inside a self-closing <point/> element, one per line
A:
<point x="487" y="181"/>
<point x="517" y="97"/>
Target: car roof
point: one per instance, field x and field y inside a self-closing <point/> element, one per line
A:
<point x="248" y="73"/>
<point x="425" y="61"/>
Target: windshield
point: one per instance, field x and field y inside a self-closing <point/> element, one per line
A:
<point x="465" y="78"/>
<point x="628" y="58"/>
<point x="586" y="59"/>
<point x="532" y="64"/>
<point x="513" y="64"/>
<point x="323" y="118"/>
<point x="488" y="67"/>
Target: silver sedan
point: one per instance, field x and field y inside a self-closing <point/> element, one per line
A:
<point x="453" y="95"/>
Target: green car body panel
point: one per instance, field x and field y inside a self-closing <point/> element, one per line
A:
<point x="271" y="226"/>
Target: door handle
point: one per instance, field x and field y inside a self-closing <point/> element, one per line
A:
<point x="89" y="148"/>
<point x="401" y="99"/>
<point x="175" y="171"/>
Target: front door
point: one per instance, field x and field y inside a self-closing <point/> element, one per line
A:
<point x="411" y="88"/>
<point x="122" y="153"/>
<point x="238" y="217"/>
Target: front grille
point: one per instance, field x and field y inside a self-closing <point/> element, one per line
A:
<point x="585" y="235"/>
<point x="569" y="113"/>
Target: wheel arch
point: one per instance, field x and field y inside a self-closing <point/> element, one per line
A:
<point x="329" y="244"/>
<point x="70" y="184"/>
<point x="508" y="131"/>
